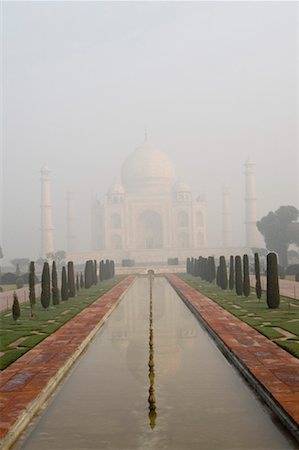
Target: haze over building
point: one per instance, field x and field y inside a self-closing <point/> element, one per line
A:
<point x="151" y="215"/>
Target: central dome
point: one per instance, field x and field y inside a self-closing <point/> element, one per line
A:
<point x="147" y="167"/>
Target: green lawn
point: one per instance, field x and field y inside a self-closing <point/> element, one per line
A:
<point x="256" y="313"/>
<point x="17" y="337"/>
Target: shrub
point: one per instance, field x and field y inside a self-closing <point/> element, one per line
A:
<point x="81" y="281"/>
<point x="246" y="279"/>
<point x="16" y="311"/>
<point x="273" y="297"/>
<point x="173" y="261"/>
<point x="64" y="286"/>
<point x="77" y="282"/>
<point x="8" y="278"/>
<point x="238" y="277"/>
<point x="258" y="286"/>
<point x="231" y="282"/>
<point x="293" y="269"/>
<point x="19" y="283"/>
<point x="45" y="294"/>
<point x="130" y="263"/>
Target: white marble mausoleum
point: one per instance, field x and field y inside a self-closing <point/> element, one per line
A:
<point x="150" y="215"/>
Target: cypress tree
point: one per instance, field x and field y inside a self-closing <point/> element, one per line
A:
<point x="64" y="286"/>
<point x="55" y="290"/>
<point x="102" y="270"/>
<point x="112" y="269"/>
<point x="107" y="269"/>
<point x="239" y="281"/>
<point x="273" y="297"/>
<point x="187" y="265"/>
<point x="258" y="286"/>
<point x="81" y="281"/>
<point x="77" y="282"/>
<point x="16" y="311"/>
<point x="202" y="267"/>
<point x="46" y="288"/>
<point x="196" y="267"/>
<point x="209" y="269"/>
<point x="32" y="297"/>
<point x="95" y="276"/>
<point x="223" y="273"/>
<point x="212" y="269"/>
<point x="246" y="279"/>
<point x="231" y="273"/>
<point x="218" y="282"/>
<point x="71" y="279"/>
<point x="205" y="269"/>
<point x="88" y="274"/>
<point x="192" y="266"/>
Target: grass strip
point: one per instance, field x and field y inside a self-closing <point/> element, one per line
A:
<point x="45" y="321"/>
<point x="255" y="312"/>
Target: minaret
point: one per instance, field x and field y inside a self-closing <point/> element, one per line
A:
<point x="46" y="228"/>
<point x="227" y="233"/>
<point x="70" y="222"/>
<point x="252" y="234"/>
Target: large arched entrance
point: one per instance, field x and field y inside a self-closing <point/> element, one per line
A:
<point x="150" y="230"/>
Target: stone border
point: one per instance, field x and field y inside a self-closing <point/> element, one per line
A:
<point x="289" y="422"/>
<point x="34" y="406"/>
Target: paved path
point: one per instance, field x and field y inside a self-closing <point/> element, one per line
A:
<point x="288" y="288"/>
<point x="273" y="369"/>
<point x="25" y="384"/>
<point x="6" y="297"/>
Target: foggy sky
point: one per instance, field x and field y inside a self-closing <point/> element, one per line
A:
<point x="213" y="82"/>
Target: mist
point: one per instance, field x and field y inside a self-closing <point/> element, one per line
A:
<point x="213" y="83"/>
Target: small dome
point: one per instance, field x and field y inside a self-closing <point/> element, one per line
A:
<point x="147" y="166"/>
<point x="182" y="187"/>
<point x="116" y="188"/>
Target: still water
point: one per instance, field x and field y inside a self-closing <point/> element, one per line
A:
<point x="202" y="402"/>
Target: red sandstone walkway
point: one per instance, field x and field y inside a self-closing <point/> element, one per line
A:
<point x="276" y="370"/>
<point x="26" y="383"/>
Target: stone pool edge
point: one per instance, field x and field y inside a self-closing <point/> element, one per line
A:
<point x="253" y="380"/>
<point x="36" y="404"/>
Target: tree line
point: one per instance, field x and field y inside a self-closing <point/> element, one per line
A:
<point x="70" y="282"/>
<point x="238" y="276"/>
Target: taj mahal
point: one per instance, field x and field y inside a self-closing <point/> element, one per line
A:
<point x="150" y="216"/>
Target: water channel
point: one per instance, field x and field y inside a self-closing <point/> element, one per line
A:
<point x="201" y="400"/>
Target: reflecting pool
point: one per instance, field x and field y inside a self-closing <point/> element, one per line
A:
<point x="201" y="400"/>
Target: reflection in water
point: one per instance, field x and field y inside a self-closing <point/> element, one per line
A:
<point x="151" y="398"/>
<point x="202" y="401"/>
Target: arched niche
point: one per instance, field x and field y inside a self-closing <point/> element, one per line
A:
<point x="183" y="219"/>
<point x="115" y="221"/>
<point x="150" y="230"/>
